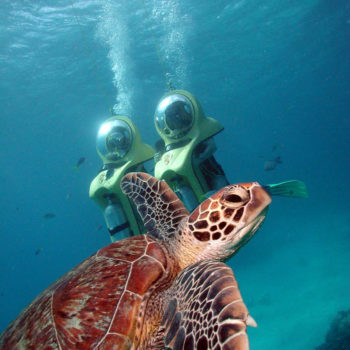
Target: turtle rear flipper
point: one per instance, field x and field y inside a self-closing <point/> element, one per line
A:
<point x="205" y="310"/>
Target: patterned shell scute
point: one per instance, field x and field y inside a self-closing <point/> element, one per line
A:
<point x="95" y="304"/>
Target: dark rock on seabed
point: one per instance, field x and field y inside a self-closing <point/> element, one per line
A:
<point x="338" y="335"/>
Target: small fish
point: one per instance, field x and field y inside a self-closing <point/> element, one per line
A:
<point x="68" y="196"/>
<point x="37" y="252"/>
<point x="79" y="162"/>
<point x="49" y="216"/>
<point x="99" y="228"/>
<point x="275" y="146"/>
<point x="271" y="164"/>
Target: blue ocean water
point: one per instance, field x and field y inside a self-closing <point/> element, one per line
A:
<point x="276" y="74"/>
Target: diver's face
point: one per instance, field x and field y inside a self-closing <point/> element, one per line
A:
<point x="174" y="116"/>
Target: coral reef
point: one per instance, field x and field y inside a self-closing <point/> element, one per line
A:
<point x="338" y="335"/>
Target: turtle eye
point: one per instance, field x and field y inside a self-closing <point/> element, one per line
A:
<point x="235" y="197"/>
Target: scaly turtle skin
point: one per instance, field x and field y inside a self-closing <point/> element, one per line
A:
<point x="166" y="289"/>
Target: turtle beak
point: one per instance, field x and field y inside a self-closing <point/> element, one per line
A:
<point x="260" y="200"/>
<point x="248" y="231"/>
<point x="255" y="213"/>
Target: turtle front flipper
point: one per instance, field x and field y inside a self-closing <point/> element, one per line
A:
<point x="158" y="206"/>
<point x="205" y="310"/>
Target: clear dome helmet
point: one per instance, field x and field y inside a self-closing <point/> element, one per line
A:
<point x="115" y="139"/>
<point x="175" y="115"/>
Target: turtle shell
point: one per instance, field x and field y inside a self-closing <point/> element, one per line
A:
<point x="99" y="304"/>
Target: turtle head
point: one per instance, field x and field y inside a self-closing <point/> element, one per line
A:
<point x="216" y="229"/>
<point x="226" y="221"/>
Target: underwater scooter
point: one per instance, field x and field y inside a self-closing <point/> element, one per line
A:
<point x="186" y="159"/>
<point x="122" y="151"/>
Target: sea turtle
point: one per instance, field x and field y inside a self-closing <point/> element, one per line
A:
<point x="165" y="289"/>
